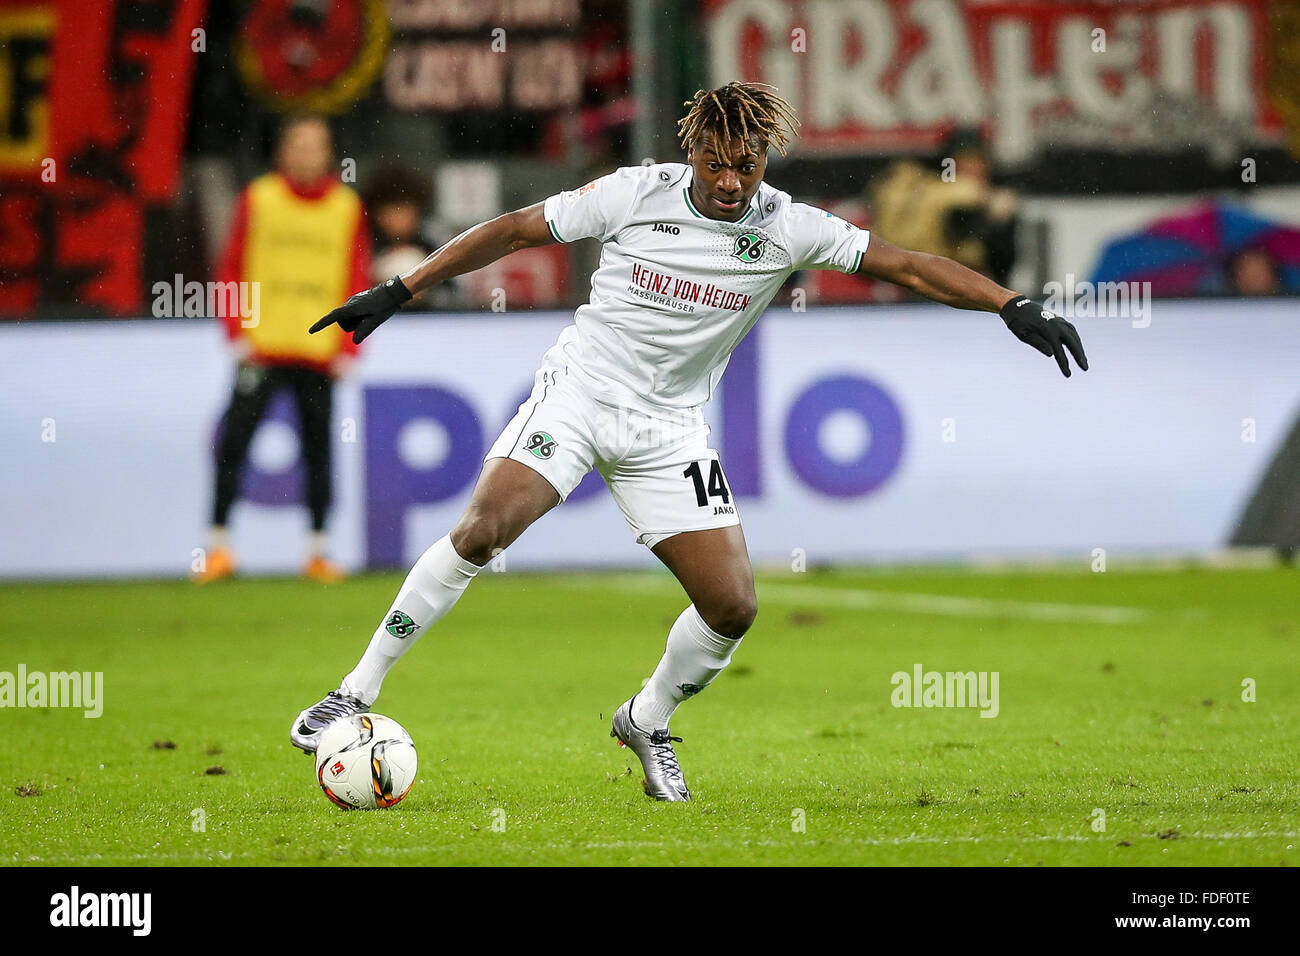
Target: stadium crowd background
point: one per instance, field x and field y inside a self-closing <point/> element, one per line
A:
<point x="1092" y="122"/>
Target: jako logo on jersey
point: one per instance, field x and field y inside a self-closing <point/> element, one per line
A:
<point x="400" y="625"/>
<point x="541" y="444"/>
<point x="749" y="247"/>
<point x="664" y="227"/>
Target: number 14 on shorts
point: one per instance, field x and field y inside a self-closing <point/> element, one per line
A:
<point x="715" y="487"/>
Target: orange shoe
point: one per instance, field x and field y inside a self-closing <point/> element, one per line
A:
<point x="220" y="564"/>
<point x="323" y="570"/>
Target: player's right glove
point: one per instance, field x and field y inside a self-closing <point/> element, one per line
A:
<point x="1037" y="326"/>
<point x="366" y="311"/>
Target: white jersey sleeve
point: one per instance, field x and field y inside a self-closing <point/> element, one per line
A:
<point x="820" y="240"/>
<point x="597" y="210"/>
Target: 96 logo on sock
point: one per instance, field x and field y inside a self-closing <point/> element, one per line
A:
<point x="400" y="625"/>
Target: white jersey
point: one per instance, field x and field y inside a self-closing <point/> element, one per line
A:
<point x="676" y="291"/>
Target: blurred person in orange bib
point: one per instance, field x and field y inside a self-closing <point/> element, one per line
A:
<point x="300" y="236"/>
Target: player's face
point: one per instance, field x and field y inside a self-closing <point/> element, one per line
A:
<point x="722" y="190"/>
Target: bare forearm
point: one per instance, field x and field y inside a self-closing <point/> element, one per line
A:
<point x="479" y="246"/>
<point x="933" y="277"/>
<point x="951" y="283"/>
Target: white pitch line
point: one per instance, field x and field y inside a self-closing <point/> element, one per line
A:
<point x="942" y="604"/>
<point x="954" y="606"/>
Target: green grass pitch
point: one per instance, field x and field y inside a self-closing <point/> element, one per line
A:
<point x="1128" y="700"/>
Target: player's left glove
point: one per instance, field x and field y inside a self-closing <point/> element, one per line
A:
<point x="366" y="311"/>
<point x="1035" y="325"/>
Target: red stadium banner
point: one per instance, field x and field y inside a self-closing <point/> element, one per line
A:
<point x="884" y="75"/>
<point x="96" y="96"/>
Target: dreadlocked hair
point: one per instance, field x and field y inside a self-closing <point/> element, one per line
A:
<point x="738" y="110"/>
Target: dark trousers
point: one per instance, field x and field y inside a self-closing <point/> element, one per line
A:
<point x="254" y="386"/>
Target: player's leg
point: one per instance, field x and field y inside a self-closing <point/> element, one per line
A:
<point x="536" y="462"/>
<point x="713" y="568"/>
<point x="314" y="394"/>
<point x="507" y="499"/>
<point x="678" y="503"/>
<point x="254" y="386"/>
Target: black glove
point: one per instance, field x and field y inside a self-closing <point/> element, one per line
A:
<point x="366" y="311"/>
<point x="1032" y="323"/>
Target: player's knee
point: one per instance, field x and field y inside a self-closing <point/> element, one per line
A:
<point x="478" y="537"/>
<point x="733" y="616"/>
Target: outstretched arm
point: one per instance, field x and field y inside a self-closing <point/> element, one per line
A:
<point x="933" y="277"/>
<point x="479" y="246"/>
<point x="951" y="283"/>
<point x="472" y="249"/>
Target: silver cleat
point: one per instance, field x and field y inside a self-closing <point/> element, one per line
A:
<point x="306" y="731"/>
<point x="663" y="775"/>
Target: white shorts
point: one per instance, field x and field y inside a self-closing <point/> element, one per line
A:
<point x="659" y="467"/>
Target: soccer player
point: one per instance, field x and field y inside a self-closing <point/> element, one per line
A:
<point x="692" y="255"/>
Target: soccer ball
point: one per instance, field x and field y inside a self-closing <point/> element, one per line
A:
<point x="365" y="762"/>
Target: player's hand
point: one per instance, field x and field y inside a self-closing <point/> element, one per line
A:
<point x="1035" y="325"/>
<point x="366" y="311"/>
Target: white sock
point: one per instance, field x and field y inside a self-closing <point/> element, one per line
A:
<point x="318" y="544"/>
<point x="218" y="537"/>
<point x="434" y="584"/>
<point x="694" y="656"/>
